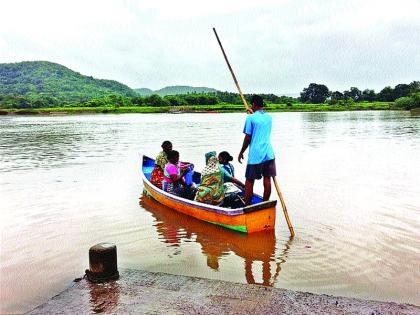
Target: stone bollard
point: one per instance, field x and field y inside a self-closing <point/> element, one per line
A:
<point x="102" y="263"/>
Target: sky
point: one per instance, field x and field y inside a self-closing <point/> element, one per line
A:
<point x="273" y="46"/>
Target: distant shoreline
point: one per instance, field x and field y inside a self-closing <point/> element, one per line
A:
<point x="219" y="108"/>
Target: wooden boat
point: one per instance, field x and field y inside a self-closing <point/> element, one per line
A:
<point x="259" y="216"/>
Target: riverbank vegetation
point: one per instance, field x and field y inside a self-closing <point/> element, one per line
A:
<point x="45" y="87"/>
<point x="218" y="108"/>
<point x="405" y="96"/>
<point x="223" y="102"/>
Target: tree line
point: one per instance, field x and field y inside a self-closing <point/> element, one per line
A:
<point x="117" y="100"/>
<point x="319" y="93"/>
<point x="404" y="95"/>
<point x="42" y="101"/>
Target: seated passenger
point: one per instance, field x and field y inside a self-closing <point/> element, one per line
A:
<point x="228" y="169"/>
<point x="233" y="194"/>
<point x="173" y="175"/>
<point x="211" y="190"/>
<point x="156" y="177"/>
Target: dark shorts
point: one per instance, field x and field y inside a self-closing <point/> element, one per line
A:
<point x="257" y="171"/>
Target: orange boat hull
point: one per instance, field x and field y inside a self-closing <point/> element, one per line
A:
<point x="256" y="221"/>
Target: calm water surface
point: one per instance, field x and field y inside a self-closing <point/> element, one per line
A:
<point x="351" y="182"/>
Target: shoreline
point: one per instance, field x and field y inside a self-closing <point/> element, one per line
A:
<point x="220" y="108"/>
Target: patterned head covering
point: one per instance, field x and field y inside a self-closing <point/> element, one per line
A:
<point x="209" y="155"/>
<point x="161" y="160"/>
<point x="212" y="165"/>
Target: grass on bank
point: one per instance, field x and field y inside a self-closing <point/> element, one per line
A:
<point x="295" y="107"/>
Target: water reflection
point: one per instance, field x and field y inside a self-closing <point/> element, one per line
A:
<point x="314" y="128"/>
<point x="415" y="112"/>
<point x="256" y="249"/>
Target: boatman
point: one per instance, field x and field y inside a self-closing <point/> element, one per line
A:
<point x="261" y="162"/>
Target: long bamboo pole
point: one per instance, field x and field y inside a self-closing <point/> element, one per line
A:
<point x="231" y="71"/>
<point x="283" y="204"/>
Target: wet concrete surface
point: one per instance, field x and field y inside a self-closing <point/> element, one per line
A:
<point x="142" y="292"/>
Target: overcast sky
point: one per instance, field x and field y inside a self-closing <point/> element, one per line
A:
<point x="274" y="46"/>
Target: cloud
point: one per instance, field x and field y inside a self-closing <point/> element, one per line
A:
<point x="274" y="46"/>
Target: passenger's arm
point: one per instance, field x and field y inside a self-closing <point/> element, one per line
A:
<point x="173" y="173"/>
<point x="237" y="182"/>
<point x="179" y="178"/>
<point x="185" y="165"/>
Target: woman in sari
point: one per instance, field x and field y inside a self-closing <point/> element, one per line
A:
<point x="156" y="177"/>
<point x="211" y="190"/>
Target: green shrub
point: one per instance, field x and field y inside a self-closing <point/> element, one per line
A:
<point x="408" y="102"/>
<point x="404" y="102"/>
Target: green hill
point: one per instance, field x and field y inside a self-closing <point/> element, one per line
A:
<point x="43" y="78"/>
<point x="175" y="90"/>
<point x="144" y="91"/>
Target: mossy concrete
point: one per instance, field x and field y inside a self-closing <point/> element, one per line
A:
<point x="141" y="292"/>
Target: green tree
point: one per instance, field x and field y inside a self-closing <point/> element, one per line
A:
<point x="155" y="100"/>
<point x="368" y="95"/>
<point x="337" y="95"/>
<point x="137" y="100"/>
<point x="355" y="94"/>
<point x="228" y="97"/>
<point x="314" y="93"/>
<point x="401" y="90"/>
<point x="414" y="86"/>
<point x="386" y="95"/>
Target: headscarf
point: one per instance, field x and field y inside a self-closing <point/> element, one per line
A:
<point x="161" y="160"/>
<point x="212" y="166"/>
<point x="211" y="190"/>
<point x="209" y="155"/>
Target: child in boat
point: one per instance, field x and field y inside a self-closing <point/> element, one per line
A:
<point x="174" y="175"/>
<point x="228" y="169"/>
<point x="156" y="177"/>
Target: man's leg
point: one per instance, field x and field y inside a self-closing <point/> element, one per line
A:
<point x="269" y="171"/>
<point x="267" y="188"/>
<point x="249" y="191"/>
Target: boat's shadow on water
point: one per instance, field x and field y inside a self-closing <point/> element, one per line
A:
<point x="174" y="228"/>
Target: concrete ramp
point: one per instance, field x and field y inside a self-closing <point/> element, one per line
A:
<point x="141" y="292"/>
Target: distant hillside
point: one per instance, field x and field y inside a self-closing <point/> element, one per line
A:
<point x="144" y="91"/>
<point x="174" y="90"/>
<point x="31" y="78"/>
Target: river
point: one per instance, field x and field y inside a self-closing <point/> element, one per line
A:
<point x="351" y="181"/>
